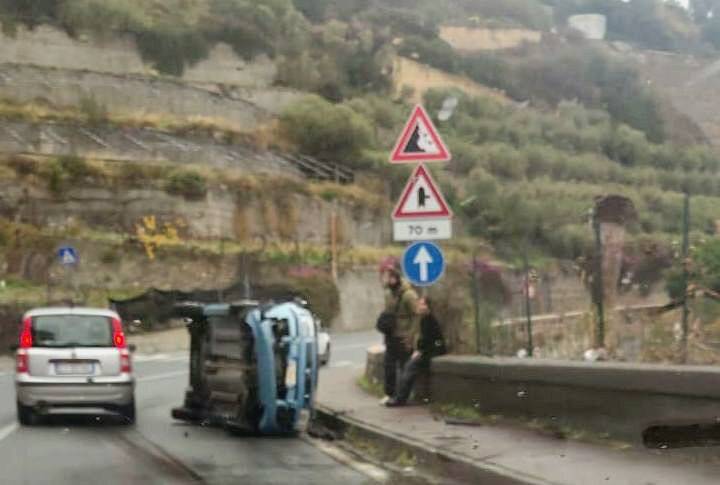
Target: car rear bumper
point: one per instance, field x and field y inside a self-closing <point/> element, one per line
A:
<point x="66" y="394"/>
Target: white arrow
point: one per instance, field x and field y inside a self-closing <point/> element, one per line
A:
<point x="423" y="258"/>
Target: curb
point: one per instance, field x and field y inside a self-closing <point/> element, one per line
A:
<point x="444" y="463"/>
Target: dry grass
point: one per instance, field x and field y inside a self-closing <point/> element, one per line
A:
<point x="217" y="128"/>
<point x="352" y="194"/>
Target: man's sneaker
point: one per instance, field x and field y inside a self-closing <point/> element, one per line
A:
<point x="393" y="403"/>
<point x="385" y="400"/>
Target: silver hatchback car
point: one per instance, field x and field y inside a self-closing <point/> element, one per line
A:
<point x="73" y="360"/>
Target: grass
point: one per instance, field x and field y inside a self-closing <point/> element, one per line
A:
<point x="92" y="113"/>
<point x="548" y="427"/>
<point x="371" y="387"/>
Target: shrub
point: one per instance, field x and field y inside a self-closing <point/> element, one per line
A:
<point x="75" y="167"/>
<point x="23" y="165"/>
<point x="329" y="132"/>
<point x="57" y="179"/>
<point x="95" y="112"/>
<point x="186" y="183"/>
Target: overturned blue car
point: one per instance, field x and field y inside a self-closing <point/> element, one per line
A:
<point x="253" y="366"/>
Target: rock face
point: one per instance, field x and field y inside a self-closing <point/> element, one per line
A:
<point x="591" y="26"/>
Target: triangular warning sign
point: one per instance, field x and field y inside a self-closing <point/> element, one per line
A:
<point x="419" y="141"/>
<point x="421" y="198"/>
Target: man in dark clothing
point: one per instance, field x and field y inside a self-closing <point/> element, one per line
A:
<point x="430" y="344"/>
<point x="400" y="304"/>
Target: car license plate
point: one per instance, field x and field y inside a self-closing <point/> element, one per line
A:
<point x="74" y="368"/>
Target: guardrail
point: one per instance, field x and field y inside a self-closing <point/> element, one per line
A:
<point x="315" y="169"/>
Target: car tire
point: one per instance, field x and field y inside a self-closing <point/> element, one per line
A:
<point x="128" y="412"/>
<point x="26" y="416"/>
<point x="326" y="357"/>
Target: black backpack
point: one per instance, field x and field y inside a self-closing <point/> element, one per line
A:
<point x="387" y="321"/>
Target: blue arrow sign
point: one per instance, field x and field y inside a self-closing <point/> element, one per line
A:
<point x="423" y="263"/>
<point x="68" y="256"/>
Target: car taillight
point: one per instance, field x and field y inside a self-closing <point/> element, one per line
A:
<point x="118" y="335"/>
<point x="21" y="361"/>
<point x="26" y="339"/>
<point x="125" y="363"/>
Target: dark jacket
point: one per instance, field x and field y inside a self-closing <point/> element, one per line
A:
<point x="431" y="342"/>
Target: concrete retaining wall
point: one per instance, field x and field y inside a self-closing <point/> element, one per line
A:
<point x="361" y="299"/>
<point x="219" y="215"/>
<point x="51" y="47"/>
<point x="620" y="399"/>
<point x="105" y="142"/>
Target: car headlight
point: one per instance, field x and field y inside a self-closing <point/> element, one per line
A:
<point x="291" y="374"/>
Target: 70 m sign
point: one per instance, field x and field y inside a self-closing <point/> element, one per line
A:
<point x="422" y="229"/>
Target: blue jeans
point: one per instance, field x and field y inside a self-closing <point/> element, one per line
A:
<point x="413" y="367"/>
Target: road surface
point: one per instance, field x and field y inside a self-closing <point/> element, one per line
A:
<point x="159" y="450"/>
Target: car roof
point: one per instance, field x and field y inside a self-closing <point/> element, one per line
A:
<point x="103" y="312"/>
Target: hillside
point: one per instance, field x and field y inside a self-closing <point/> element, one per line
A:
<point x="546" y="122"/>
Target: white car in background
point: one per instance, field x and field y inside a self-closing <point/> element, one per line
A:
<point x="323" y="339"/>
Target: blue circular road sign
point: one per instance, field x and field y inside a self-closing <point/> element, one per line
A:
<point x="68" y="256"/>
<point x="423" y="263"/>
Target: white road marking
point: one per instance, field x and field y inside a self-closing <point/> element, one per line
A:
<point x="353" y="346"/>
<point x="161" y="357"/>
<point x="166" y="375"/>
<point x="371" y="471"/>
<point x="8" y="430"/>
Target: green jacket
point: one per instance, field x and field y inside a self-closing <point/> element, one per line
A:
<point x="408" y="321"/>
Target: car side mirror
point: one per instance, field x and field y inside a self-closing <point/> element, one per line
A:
<point x="132" y="348"/>
<point x="14" y="347"/>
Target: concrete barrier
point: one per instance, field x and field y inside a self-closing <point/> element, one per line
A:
<point x="622" y="400"/>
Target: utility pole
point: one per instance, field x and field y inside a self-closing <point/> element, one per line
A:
<point x="685" y="249"/>
<point x="476" y="303"/>
<point x="598" y="283"/>
<point x="528" y="310"/>
<point x="333" y="232"/>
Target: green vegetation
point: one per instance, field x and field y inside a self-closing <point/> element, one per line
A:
<point x="63" y="172"/>
<point x="325" y="130"/>
<point x="169" y="34"/>
<point x="370" y="386"/>
<point x="187" y="183"/>
<point x="652" y="24"/>
<point x="548" y="74"/>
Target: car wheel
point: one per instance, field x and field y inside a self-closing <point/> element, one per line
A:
<point x="128" y="412"/>
<point x="26" y="415"/>
<point x="326" y="357"/>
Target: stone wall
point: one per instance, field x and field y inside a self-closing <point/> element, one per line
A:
<point x="361" y="299"/>
<point x="103" y="142"/>
<point x="124" y="94"/>
<point x="219" y="215"/>
<point x="50" y="47"/>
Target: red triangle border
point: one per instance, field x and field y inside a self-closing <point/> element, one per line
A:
<point x="443" y="213"/>
<point x="398" y="156"/>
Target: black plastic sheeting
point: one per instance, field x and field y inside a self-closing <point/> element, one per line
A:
<point x="156" y="306"/>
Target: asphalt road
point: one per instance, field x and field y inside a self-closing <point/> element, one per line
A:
<point x="158" y="450"/>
